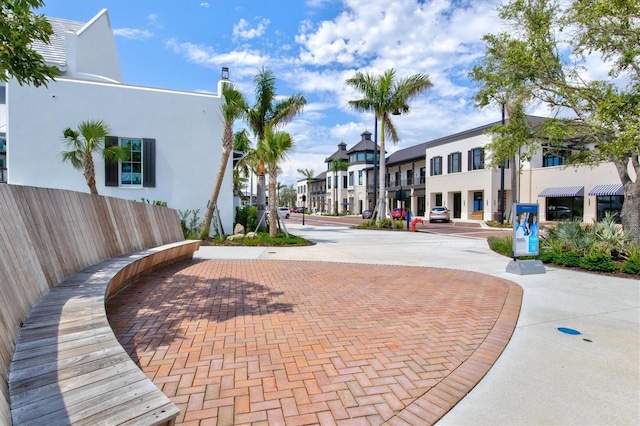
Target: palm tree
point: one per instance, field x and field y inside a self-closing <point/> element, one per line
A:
<point x="309" y="174"/>
<point x="337" y="165"/>
<point x="234" y="106"/>
<point x="83" y="143"/>
<point x="242" y="170"/>
<point x="280" y="187"/>
<point x="268" y="113"/>
<point x="385" y="96"/>
<point x="271" y="150"/>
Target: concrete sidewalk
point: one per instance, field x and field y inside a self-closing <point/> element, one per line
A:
<point x="544" y="376"/>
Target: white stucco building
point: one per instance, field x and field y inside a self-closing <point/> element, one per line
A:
<point x="460" y="178"/>
<point x="174" y="137"/>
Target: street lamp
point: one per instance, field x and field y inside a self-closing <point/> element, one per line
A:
<point x="501" y="201"/>
<point x="304" y="201"/>
<point x="375" y="163"/>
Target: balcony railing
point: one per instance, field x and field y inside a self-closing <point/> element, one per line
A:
<point x="3" y="175"/>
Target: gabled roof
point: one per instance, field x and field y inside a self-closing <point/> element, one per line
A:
<point x="322" y="176"/>
<point x="416" y="152"/>
<point x="340" y="153"/>
<point x="365" y="144"/>
<point x="55" y="52"/>
<point x="475" y="132"/>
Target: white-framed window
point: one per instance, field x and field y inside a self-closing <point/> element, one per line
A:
<point x="476" y="159"/>
<point x="455" y="162"/>
<point x="436" y="166"/>
<point x="138" y="169"/>
<point x="131" y="168"/>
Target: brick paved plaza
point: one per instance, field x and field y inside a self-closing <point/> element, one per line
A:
<point x="266" y="342"/>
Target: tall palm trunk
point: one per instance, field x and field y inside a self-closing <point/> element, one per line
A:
<point x="261" y="200"/>
<point x="273" y="211"/>
<point x="215" y="192"/>
<point x="382" y="201"/>
<point x="90" y="173"/>
<point x="335" y="198"/>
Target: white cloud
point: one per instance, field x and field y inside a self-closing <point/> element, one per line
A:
<point x="133" y="33"/>
<point x="208" y="57"/>
<point x="241" y="30"/>
<point x="204" y="5"/>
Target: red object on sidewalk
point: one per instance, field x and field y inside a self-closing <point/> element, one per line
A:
<point x="414" y="222"/>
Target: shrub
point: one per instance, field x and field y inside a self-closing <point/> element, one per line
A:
<point x="385" y="223"/>
<point x="631" y="266"/>
<point x="598" y="262"/>
<point x="190" y="223"/>
<point x="547" y="256"/>
<point x="502" y="245"/>
<point x="568" y="258"/>
<point x="154" y="202"/>
<point x="248" y="217"/>
<point x="398" y="224"/>
<point x="632" y="263"/>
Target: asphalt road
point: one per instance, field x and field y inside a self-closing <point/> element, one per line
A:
<point x="459" y="228"/>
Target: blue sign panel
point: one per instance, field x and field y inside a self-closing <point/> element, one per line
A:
<point x="525" y="230"/>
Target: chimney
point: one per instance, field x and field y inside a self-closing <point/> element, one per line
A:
<point x="224" y="79"/>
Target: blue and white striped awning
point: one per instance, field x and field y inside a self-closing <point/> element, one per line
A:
<point x="613" y="189"/>
<point x="563" y="191"/>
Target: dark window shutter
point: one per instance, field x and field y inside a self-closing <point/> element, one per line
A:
<point x="470" y="160"/>
<point x="149" y="163"/>
<point x="111" y="167"/>
<point x="431" y="167"/>
<point x="482" y="158"/>
<point x="449" y="163"/>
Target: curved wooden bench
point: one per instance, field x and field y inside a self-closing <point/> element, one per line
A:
<point x="68" y="367"/>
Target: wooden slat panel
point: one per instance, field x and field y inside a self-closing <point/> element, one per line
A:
<point x="47" y="235"/>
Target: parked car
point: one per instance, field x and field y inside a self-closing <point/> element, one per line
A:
<point x="440" y="213"/>
<point x="284" y="212"/>
<point x="367" y="214"/>
<point x="301" y="209"/>
<point x="559" y="213"/>
<point x="293" y="209"/>
<point x="399" y="214"/>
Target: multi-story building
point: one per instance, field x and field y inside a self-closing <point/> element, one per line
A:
<point x="337" y="181"/>
<point x="314" y="193"/>
<point x="454" y="171"/>
<point x="406" y="173"/>
<point x="459" y="177"/>
<point x="359" y="188"/>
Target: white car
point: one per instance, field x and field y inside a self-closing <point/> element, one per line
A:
<point x="284" y="212"/>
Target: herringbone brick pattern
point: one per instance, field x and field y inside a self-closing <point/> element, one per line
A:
<point x="262" y="342"/>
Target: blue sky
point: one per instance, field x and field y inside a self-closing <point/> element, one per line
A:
<point x="312" y="46"/>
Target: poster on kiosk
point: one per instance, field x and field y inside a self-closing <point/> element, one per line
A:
<point x="525" y="230"/>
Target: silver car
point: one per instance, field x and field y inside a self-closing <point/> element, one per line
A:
<point x="440" y="213"/>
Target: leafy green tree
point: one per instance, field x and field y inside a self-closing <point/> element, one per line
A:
<point x="385" y="96"/>
<point x="234" y="106"/>
<point x="288" y="195"/>
<point x="272" y="149"/>
<point x="19" y="28"/>
<point x="242" y="171"/>
<point x="83" y="143"/>
<point x="269" y="113"/>
<point x="337" y="165"/>
<point x="550" y="56"/>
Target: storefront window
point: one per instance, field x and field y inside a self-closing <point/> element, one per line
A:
<point x="611" y="204"/>
<point x="565" y="208"/>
